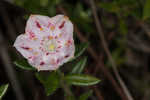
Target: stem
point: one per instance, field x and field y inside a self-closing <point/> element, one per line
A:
<point x="65" y="86"/>
<point x="105" y="46"/>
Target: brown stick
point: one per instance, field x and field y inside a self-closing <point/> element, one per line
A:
<point x="4" y="55"/>
<point x="95" y="57"/>
<point x="104" y="43"/>
<point x="144" y="26"/>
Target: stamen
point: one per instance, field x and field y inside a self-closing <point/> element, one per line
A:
<point x="41" y="29"/>
<point x="35" y="53"/>
<point x="34" y="38"/>
<point x="52" y="28"/>
<point x="50" y="37"/>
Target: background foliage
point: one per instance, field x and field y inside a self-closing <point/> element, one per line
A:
<point x="125" y="25"/>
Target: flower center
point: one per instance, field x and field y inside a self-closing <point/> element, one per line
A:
<point x="51" y="47"/>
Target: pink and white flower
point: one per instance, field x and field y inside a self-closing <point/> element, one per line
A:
<point x="48" y="42"/>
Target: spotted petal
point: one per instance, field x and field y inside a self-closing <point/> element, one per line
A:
<point x="48" y="42"/>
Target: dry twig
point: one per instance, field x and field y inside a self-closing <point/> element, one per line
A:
<point x="104" y="43"/>
<point x="9" y="69"/>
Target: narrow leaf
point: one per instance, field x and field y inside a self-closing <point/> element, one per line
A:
<point x="146" y="10"/>
<point x="123" y="27"/>
<point x="80" y="49"/>
<point x="78" y="68"/>
<point x="81" y="79"/>
<point x="85" y="95"/>
<point x="3" y="90"/>
<point x="50" y="81"/>
<point x="110" y="7"/>
<point x="23" y="64"/>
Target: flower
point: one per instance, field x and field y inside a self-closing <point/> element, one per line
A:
<point x="48" y="42"/>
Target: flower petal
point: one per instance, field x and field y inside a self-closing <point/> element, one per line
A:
<point x="63" y="26"/>
<point x="48" y="42"/>
<point x="37" y="24"/>
<point x="26" y="46"/>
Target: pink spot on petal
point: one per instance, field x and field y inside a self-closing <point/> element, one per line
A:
<point x="31" y="35"/>
<point x="37" y="24"/>
<point x="41" y="43"/>
<point x="62" y="25"/>
<point x="53" y="61"/>
<point x="69" y="41"/>
<point x="42" y="63"/>
<point x="59" y="46"/>
<point x="26" y="48"/>
<point x="47" y="53"/>
<point x="30" y="57"/>
<point x="56" y="37"/>
<point x="58" y="41"/>
<point x="49" y="24"/>
<point x="57" y="51"/>
<point x="57" y="61"/>
<point x="66" y="56"/>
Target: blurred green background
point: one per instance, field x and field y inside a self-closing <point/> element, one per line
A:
<point x="125" y="25"/>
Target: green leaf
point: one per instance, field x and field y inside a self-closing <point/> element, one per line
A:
<point x="146" y="10"/>
<point x="81" y="13"/>
<point x="70" y="98"/>
<point x="80" y="49"/>
<point x="19" y="2"/>
<point x="50" y="81"/>
<point x="44" y="3"/>
<point x="110" y="7"/>
<point x="123" y="27"/>
<point x="81" y="79"/>
<point x="78" y="68"/>
<point x="85" y="95"/>
<point x="78" y="13"/>
<point x="3" y="90"/>
<point x="23" y="64"/>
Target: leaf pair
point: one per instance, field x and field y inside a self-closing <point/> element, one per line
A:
<point x="78" y="68"/>
<point x="76" y="77"/>
<point x="51" y="81"/>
